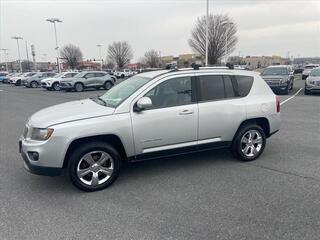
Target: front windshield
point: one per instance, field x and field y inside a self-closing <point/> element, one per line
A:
<point x="315" y="73"/>
<point x="80" y="75"/>
<point x="275" y="71"/>
<point x="116" y="95"/>
<point x="30" y="74"/>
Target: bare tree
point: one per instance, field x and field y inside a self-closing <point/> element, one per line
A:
<point x="222" y="37"/>
<point x="71" y="54"/>
<point x="152" y="58"/>
<point x="120" y="53"/>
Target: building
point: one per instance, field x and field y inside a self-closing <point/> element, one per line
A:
<point x="255" y="62"/>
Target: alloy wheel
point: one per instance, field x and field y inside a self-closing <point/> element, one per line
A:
<point x="251" y="143"/>
<point x="95" y="168"/>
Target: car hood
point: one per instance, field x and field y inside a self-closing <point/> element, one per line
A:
<point x="48" y="79"/>
<point x="68" y="112"/>
<point x="314" y="78"/>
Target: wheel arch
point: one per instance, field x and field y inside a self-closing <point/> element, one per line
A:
<point x="111" y="139"/>
<point x="261" y="121"/>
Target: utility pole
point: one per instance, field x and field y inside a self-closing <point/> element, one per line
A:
<point x="17" y="39"/>
<point x="54" y="20"/>
<point x="207" y="32"/>
<point x="33" y="53"/>
<point x="27" y="56"/>
<point x="99" y="46"/>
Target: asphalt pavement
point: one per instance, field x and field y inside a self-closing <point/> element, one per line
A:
<point x="200" y="196"/>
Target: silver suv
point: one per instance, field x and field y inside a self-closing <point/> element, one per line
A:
<point x="151" y="115"/>
<point x="88" y="80"/>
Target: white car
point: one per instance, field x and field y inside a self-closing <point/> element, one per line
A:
<point x="124" y="73"/>
<point x="16" y="80"/>
<point x="53" y="83"/>
<point x="307" y="70"/>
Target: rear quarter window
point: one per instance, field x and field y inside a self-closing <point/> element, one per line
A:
<point x="244" y="85"/>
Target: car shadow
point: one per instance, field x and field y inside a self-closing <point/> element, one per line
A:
<point x="141" y="171"/>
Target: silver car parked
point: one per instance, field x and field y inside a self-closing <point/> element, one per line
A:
<point x="92" y="79"/>
<point x="53" y="83"/>
<point x="35" y="80"/>
<point x="312" y="83"/>
<point x="151" y="115"/>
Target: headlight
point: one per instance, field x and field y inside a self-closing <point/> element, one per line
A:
<point x="41" y="134"/>
<point x="283" y="80"/>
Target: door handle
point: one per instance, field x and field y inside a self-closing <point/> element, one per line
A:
<point x="186" y="112"/>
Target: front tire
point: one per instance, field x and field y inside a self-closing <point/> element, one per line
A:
<point x="249" y="143"/>
<point x="306" y="92"/>
<point x="94" y="166"/>
<point x="33" y="84"/>
<point x="78" y="87"/>
<point x="55" y="86"/>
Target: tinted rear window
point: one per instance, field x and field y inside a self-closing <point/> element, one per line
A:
<point x="244" y="85"/>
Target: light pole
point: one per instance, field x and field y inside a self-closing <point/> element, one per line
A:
<point x="5" y="51"/>
<point x="54" y="20"/>
<point x="17" y="39"/>
<point x="227" y="39"/>
<point x="99" y="46"/>
<point x="207" y="32"/>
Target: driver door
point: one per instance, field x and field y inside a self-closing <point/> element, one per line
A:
<point x="170" y="126"/>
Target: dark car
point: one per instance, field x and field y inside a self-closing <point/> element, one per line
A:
<point x="280" y="78"/>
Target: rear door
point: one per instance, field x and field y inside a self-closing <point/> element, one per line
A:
<point x="99" y="78"/>
<point x="221" y="109"/>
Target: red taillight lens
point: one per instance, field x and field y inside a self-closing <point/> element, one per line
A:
<point x="278" y="103"/>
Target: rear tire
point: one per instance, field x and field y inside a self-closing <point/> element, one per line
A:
<point x="88" y="171"/>
<point x="107" y="85"/>
<point x="249" y="142"/>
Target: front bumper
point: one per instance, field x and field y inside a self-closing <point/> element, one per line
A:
<point x="312" y="88"/>
<point x="278" y="88"/>
<point x="40" y="170"/>
<point x="46" y="85"/>
<point x="48" y="164"/>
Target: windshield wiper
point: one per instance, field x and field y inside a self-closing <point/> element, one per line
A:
<point x="104" y="102"/>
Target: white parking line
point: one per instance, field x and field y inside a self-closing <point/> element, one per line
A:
<point x="288" y="99"/>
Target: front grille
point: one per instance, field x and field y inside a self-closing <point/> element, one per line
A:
<point x="273" y="82"/>
<point x="43" y="84"/>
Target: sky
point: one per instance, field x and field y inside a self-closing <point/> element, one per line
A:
<point x="265" y="27"/>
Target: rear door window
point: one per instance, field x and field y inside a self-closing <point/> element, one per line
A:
<point x="211" y="87"/>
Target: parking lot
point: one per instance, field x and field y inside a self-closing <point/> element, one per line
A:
<point x="201" y="196"/>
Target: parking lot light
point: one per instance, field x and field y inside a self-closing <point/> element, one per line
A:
<point x="17" y="39"/>
<point x="54" y="20"/>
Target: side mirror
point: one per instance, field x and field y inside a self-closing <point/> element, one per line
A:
<point x="142" y="104"/>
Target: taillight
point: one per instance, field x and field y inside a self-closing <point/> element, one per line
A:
<point x="278" y="103"/>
